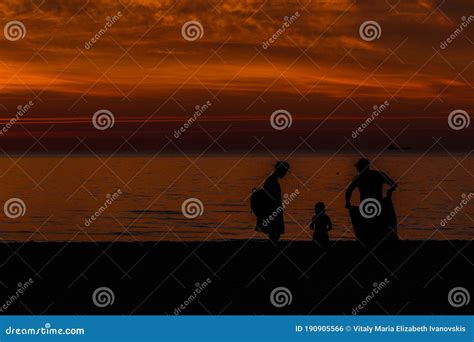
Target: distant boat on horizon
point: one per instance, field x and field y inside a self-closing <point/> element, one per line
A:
<point x="394" y="147"/>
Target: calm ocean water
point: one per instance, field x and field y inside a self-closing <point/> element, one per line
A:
<point x="60" y="194"/>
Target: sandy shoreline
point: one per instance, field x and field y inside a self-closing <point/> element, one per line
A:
<point x="235" y="277"/>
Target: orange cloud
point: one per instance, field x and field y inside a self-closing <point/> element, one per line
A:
<point x="72" y="62"/>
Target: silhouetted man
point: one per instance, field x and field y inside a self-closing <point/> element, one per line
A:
<point x="379" y="229"/>
<point x="369" y="182"/>
<point x="275" y="223"/>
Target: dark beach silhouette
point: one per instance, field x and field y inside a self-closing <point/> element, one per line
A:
<point x="243" y="274"/>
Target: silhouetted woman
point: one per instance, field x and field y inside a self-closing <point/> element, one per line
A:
<point x="275" y="225"/>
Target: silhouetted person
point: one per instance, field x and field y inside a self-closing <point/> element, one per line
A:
<point x="369" y="182"/>
<point x="274" y="224"/>
<point x="321" y="224"/>
<point x="374" y="224"/>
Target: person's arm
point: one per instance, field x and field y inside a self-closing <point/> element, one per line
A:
<point x="272" y="191"/>
<point x="329" y="224"/>
<point x="387" y="180"/>
<point x="349" y="191"/>
<point x="311" y="225"/>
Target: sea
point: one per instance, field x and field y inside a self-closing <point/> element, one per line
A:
<point x="182" y="198"/>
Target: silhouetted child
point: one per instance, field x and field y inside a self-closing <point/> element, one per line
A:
<point x="321" y="224"/>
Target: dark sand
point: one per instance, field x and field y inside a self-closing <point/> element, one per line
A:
<point x="156" y="278"/>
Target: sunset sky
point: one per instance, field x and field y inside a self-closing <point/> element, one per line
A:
<point x="151" y="78"/>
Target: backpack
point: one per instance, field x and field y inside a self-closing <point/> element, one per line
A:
<point x="258" y="202"/>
